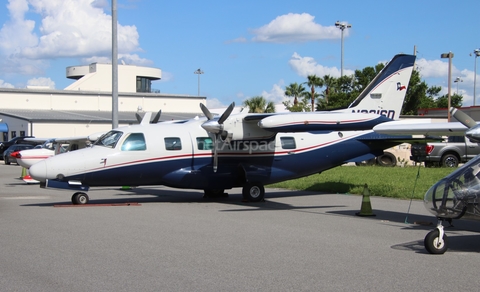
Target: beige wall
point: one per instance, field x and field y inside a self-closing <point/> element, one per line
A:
<point x="98" y="77"/>
<point x="55" y="130"/>
<point x="72" y="100"/>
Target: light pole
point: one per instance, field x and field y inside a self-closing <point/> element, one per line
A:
<point x="449" y="55"/>
<point x="476" y="52"/>
<point x="458" y="80"/>
<point x="342" y="26"/>
<point x="199" y="72"/>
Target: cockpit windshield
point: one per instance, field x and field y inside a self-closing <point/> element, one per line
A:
<point x="49" y="144"/>
<point x="458" y="194"/>
<point x="110" y="139"/>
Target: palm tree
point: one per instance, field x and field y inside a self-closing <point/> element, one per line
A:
<point x="294" y="90"/>
<point x="258" y="104"/>
<point x="314" y="81"/>
<point x="330" y="83"/>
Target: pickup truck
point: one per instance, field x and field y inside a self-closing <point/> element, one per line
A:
<point x="448" y="153"/>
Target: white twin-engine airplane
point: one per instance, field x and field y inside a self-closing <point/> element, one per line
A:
<point x="241" y="150"/>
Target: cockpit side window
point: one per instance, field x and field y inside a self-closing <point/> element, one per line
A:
<point x="134" y="142"/>
<point x="173" y="143"/>
<point x="110" y="139"/>
<point x="204" y="143"/>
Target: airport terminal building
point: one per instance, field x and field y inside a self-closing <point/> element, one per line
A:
<point x="85" y="107"/>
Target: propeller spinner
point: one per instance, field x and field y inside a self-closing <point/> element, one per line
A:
<point x="216" y="127"/>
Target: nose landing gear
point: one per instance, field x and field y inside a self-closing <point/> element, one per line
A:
<point x="436" y="241"/>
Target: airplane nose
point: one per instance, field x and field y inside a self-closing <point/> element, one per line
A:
<point x="38" y="171"/>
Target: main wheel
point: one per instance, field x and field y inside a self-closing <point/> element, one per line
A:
<point x="432" y="242"/>
<point x="7" y="162"/>
<point x="254" y="192"/>
<point x="387" y="159"/>
<point x="80" y="198"/>
<point x="450" y="160"/>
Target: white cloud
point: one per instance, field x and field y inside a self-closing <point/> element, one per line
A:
<point x="213" y="103"/>
<point x="276" y="94"/>
<point x="432" y="68"/>
<point x="72" y="28"/>
<point x="68" y="28"/>
<point x="4" y="84"/>
<point x="295" y="27"/>
<point x="305" y="66"/>
<point x="41" y="81"/>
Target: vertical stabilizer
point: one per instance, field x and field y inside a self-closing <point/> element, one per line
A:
<point x="386" y="93"/>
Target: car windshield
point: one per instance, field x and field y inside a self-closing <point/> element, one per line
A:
<point x="110" y="139"/>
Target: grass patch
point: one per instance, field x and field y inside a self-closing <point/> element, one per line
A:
<point x="392" y="182"/>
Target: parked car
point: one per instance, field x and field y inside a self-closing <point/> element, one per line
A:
<point x="15" y="147"/>
<point x="17" y="140"/>
<point x="448" y="153"/>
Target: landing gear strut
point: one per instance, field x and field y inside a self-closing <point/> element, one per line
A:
<point x="80" y="198"/>
<point x="436" y="241"/>
<point x="254" y="192"/>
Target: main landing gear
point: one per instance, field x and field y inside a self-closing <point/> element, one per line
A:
<point x="253" y="192"/>
<point x="436" y="241"/>
<point x="80" y="198"/>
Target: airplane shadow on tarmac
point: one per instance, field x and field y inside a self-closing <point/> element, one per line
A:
<point x="168" y="195"/>
<point x="457" y="242"/>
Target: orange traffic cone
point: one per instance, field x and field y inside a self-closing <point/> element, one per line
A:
<point x="366" y="209"/>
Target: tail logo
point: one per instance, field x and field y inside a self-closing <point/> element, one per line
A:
<point x="400" y="87"/>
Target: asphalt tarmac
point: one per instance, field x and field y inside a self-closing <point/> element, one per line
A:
<point x="175" y="240"/>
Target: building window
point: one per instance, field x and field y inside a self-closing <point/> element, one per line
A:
<point x="173" y="143"/>
<point x="144" y="84"/>
<point x="13" y="134"/>
<point x="22" y="133"/>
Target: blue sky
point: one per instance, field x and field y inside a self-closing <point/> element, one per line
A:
<point x="245" y="48"/>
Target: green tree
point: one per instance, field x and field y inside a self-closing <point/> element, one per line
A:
<point x="258" y="104"/>
<point x="331" y="86"/>
<point x="455" y="101"/>
<point x="296" y="91"/>
<point x="416" y="96"/>
<point x="312" y="82"/>
<point x="343" y="94"/>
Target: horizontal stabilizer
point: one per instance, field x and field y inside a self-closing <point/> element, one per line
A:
<point x="303" y="122"/>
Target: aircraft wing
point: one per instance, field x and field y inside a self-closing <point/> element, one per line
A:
<point x="425" y="128"/>
<point x="36" y="140"/>
<point x="71" y="139"/>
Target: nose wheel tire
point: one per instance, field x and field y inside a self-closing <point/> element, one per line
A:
<point x="80" y="198"/>
<point x="434" y="244"/>
<point x="254" y="192"/>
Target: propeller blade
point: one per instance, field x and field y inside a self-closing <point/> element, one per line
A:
<point x="463" y="118"/>
<point x="157" y="117"/>
<point x="139" y="118"/>
<point x="226" y="113"/>
<point x="215" y="155"/>
<point x="206" y="112"/>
